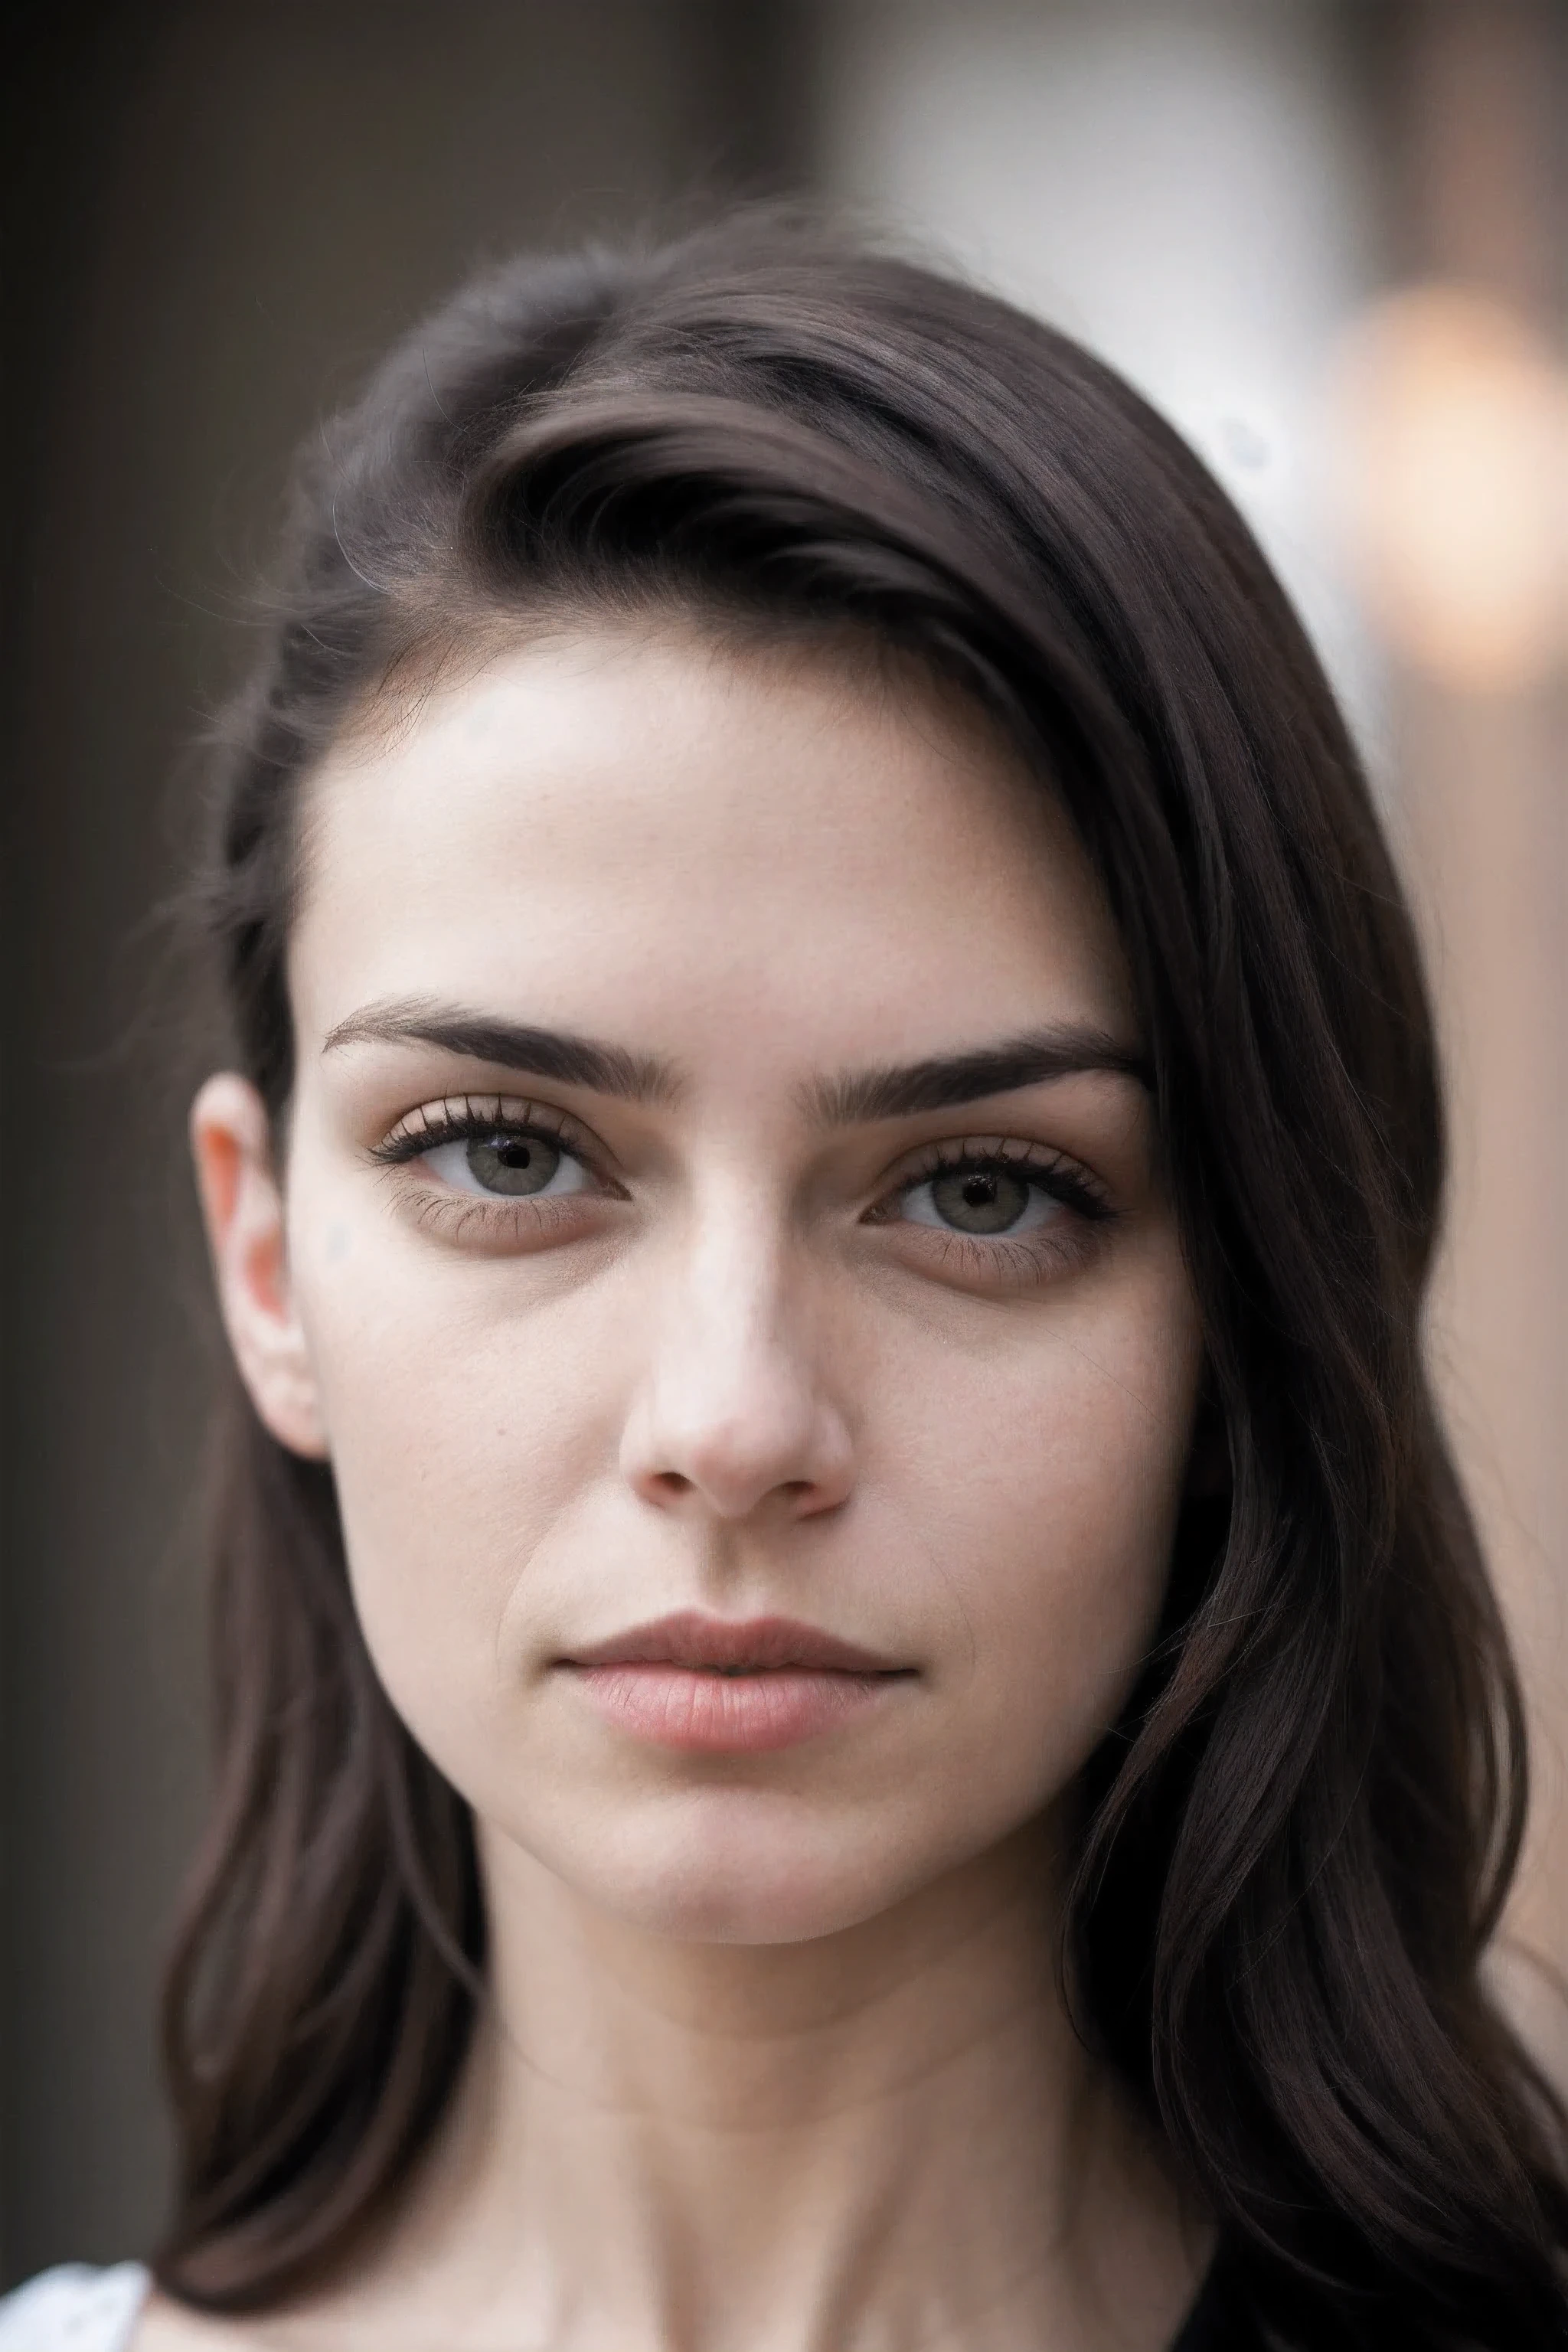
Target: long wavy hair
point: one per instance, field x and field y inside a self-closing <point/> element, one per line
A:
<point x="1300" y="1836"/>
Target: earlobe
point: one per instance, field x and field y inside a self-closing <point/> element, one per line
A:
<point x="242" y="1205"/>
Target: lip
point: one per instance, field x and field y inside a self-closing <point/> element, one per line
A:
<point x="742" y="1645"/>
<point x="716" y="1686"/>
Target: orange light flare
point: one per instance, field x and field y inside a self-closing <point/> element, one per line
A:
<point x="1451" y="482"/>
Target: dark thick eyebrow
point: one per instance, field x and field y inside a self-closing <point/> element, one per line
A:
<point x="947" y="1080"/>
<point x="556" y="1054"/>
<point x="857" y="1097"/>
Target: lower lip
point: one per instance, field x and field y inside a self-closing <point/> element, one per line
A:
<point x="728" y="1714"/>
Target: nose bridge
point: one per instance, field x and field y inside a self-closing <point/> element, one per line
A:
<point x="734" y="1408"/>
<point x="732" y="1358"/>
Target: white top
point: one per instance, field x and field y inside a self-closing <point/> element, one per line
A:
<point x="74" y="2309"/>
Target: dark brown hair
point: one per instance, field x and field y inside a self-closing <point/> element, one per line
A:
<point x="1301" y="1834"/>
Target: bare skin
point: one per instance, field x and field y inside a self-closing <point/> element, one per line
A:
<point x="776" y="2057"/>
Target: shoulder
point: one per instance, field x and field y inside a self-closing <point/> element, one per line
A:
<point x="74" y="2309"/>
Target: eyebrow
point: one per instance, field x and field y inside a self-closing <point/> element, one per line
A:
<point x="555" y="1054"/>
<point x="945" y="1081"/>
<point x="853" y="1098"/>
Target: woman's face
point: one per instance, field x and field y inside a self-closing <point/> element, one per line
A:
<point x="722" y="1255"/>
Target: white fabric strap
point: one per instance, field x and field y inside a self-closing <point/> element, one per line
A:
<point x="74" y="2309"/>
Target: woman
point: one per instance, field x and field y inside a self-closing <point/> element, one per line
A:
<point x="857" y="1707"/>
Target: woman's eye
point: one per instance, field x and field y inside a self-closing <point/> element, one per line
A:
<point x="508" y="1164"/>
<point x="981" y="1200"/>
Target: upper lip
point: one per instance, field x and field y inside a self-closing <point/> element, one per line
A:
<point x="690" y="1638"/>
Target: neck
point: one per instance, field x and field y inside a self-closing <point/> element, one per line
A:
<point x="890" y="2137"/>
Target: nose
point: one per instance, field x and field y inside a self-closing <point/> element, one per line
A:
<point x="733" y="1416"/>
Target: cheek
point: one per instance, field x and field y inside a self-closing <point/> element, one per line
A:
<point x="467" y="1414"/>
<point x="1046" y="1482"/>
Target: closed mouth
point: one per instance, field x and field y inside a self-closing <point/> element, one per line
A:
<point x="696" y="1643"/>
<point x="712" y="1686"/>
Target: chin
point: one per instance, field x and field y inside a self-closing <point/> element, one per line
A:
<point x="735" y="1873"/>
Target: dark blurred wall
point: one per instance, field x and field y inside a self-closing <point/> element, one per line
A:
<point x="215" y="216"/>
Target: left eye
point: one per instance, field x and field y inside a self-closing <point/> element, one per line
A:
<point x="509" y="1163"/>
<point x="982" y="1199"/>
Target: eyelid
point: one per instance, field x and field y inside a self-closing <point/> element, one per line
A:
<point x="992" y="1150"/>
<point x="451" y="1117"/>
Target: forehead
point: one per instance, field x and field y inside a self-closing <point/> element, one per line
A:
<point x="640" y="831"/>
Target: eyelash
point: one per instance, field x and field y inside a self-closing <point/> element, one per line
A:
<point x="1046" y="1250"/>
<point x="499" y="1220"/>
<point x="462" y="1118"/>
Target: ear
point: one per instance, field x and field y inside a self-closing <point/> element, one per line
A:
<point x="242" y="1202"/>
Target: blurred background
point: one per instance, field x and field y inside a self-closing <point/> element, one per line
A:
<point x="1328" y="237"/>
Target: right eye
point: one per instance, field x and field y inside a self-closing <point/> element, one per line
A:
<point x="509" y="1163"/>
